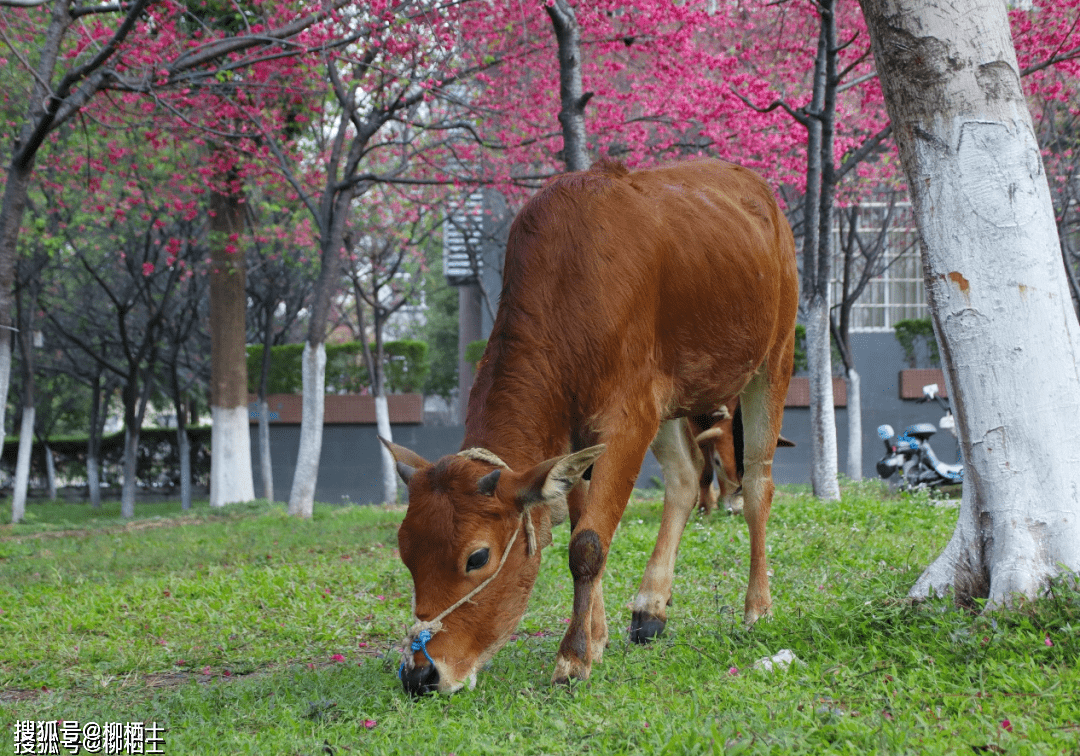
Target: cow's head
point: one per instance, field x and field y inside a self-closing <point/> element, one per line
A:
<point x="471" y="538"/>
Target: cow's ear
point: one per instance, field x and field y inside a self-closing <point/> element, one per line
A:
<point x="408" y="462"/>
<point x="548" y="483"/>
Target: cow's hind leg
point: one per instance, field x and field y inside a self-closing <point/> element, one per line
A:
<point x="763" y="410"/>
<point x="681" y="460"/>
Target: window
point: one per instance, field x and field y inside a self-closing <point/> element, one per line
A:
<point x="895" y="290"/>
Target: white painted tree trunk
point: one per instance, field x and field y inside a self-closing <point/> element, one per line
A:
<point x="824" y="458"/>
<point x="266" y="462"/>
<point x="1004" y="320"/>
<point x="230" y="444"/>
<point x="389" y="471"/>
<point x="854" y="425"/>
<point x="313" y="373"/>
<point x="50" y="473"/>
<point x="93" y="481"/>
<point x="22" y="466"/>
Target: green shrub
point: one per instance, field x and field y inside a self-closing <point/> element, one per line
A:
<point x="913" y="331"/>
<point x="406" y="364"/>
<point x="475" y="351"/>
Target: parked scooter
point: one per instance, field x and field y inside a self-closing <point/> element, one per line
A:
<point x="911" y="455"/>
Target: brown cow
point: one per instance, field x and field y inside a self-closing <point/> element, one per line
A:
<point x="629" y="300"/>
<point x="719" y="436"/>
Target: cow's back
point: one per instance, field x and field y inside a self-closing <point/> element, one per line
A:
<point x="684" y="271"/>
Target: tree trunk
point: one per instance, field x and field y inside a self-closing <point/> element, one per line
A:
<point x="1008" y="336"/>
<point x="183" y="448"/>
<point x="16" y="191"/>
<point x="22" y="465"/>
<point x="313" y="369"/>
<point x="854" y="425"/>
<point x="824" y="463"/>
<point x="230" y="444"/>
<point x="131" y="458"/>
<point x="93" y="445"/>
<point x="26" y="433"/>
<point x="50" y="472"/>
<point x="572" y="99"/>
<point x="266" y="462"/>
<point x="824" y="458"/>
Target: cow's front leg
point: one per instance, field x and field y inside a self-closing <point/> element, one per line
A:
<point x="612" y="481"/>
<point x="576" y="652"/>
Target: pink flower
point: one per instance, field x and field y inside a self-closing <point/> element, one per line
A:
<point x="337" y="658"/>
<point x="1048" y="641"/>
<point x="147" y="268"/>
<point x="369" y="724"/>
<point x="1006" y="725"/>
<point x="206" y="670"/>
<point x="733" y="671"/>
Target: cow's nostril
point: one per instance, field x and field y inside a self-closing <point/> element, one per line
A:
<point x="420" y="681"/>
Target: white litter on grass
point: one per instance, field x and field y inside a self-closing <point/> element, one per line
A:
<point x="782" y="659"/>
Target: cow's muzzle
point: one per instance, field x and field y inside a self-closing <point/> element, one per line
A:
<point x="420" y="681"/>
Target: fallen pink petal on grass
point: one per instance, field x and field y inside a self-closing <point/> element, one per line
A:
<point x="1006" y="725"/>
<point x="337" y="658"/>
<point x="733" y="671"/>
<point x="1048" y="641"/>
<point x="370" y="724"/>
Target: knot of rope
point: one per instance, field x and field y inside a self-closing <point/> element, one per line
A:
<point x="420" y="644"/>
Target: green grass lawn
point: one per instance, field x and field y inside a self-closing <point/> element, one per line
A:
<point x="246" y="631"/>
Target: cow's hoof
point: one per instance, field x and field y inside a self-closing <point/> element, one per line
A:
<point x="570" y="669"/>
<point x="645" y="627"/>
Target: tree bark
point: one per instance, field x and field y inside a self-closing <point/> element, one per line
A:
<point x="266" y="462"/>
<point x="22" y="465"/>
<point x="817" y="264"/>
<point x="50" y="472"/>
<point x="230" y="444"/>
<point x="571" y="97"/>
<point x="302" y="496"/>
<point x="854" y="425"/>
<point x="93" y="444"/>
<point x="997" y="289"/>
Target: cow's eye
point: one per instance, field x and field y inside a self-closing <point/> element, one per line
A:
<point x="477" y="560"/>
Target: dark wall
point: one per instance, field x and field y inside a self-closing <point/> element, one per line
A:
<point x="349" y="468"/>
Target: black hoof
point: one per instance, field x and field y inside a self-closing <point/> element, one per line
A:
<point x="645" y="627"/>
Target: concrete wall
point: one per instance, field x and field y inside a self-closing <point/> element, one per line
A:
<point x="349" y="470"/>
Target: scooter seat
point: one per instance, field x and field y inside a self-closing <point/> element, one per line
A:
<point x="920" y="431"/>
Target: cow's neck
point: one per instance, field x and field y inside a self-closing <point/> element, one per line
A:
<point x="514" y="413"/>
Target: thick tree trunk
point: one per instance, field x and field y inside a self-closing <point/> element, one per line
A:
<point x="1009" y="338"/>
<point x="22" y="466"/>
<point x="230" y="444"/>
<point x="313" y="369"/>
<point x="571" y="97"/>
<point x="854" y="425"/>
<point x="16" y="191"/>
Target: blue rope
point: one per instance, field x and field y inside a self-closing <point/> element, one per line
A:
<point x="420" y="644"/>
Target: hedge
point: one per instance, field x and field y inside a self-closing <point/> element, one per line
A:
<point x="407" y="366"/>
